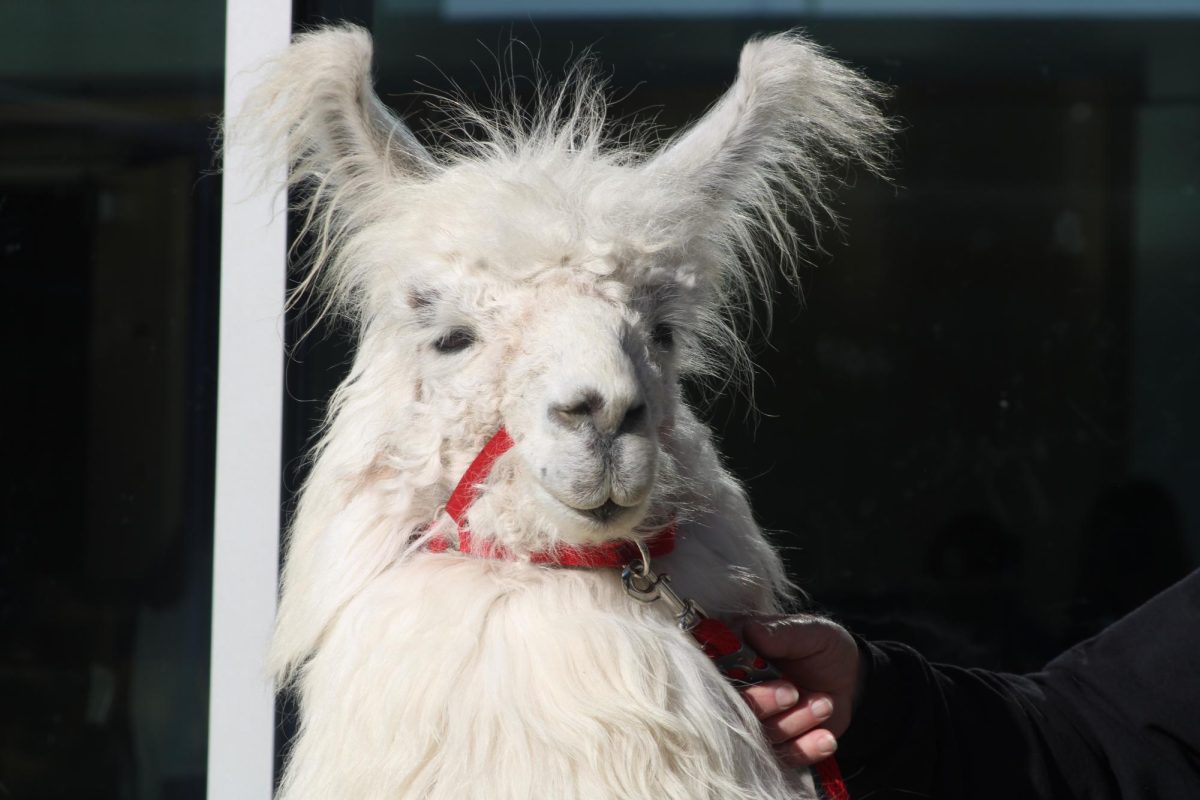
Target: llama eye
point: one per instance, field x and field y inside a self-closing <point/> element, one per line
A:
<point x="454" y="340"/>
<point x="663" y="335"/>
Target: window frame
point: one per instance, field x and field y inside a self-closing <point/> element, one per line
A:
<point x="246" y="528"/>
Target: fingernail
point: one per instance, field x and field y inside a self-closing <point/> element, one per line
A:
<point x="822" y="708"/>
<point x="787" y="696"/>
<point x="827" y="745"/>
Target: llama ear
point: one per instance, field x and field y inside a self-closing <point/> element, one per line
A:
<point x="318" y="106"/>
<point x="791" y="114"/>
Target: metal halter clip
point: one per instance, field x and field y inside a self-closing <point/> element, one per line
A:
<point x="645" y="586"/>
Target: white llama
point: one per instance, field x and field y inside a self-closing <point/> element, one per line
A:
<point x="540" y="277"/>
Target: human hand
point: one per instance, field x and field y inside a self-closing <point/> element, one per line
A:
<point x="805" y="712"/>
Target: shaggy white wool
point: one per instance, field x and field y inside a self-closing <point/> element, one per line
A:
<point x="543" y="277"/>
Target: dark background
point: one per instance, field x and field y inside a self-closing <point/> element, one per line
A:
<point x="978" y="435"/>
<point x="109" y="265"/>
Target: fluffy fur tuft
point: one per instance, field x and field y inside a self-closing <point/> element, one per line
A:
<point x="765" y="155"/>
<point x="536" y="271"/>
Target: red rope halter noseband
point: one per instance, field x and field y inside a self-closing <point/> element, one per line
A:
<point x="615" y="553"/>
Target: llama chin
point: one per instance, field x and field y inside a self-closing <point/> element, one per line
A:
<point x="554" y="280"/>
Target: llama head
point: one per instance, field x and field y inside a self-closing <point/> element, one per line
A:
<point x="543" y="276"/>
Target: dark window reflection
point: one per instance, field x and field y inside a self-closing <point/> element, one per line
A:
<point x="109" y="234"/>
<point x="980" y="435"/>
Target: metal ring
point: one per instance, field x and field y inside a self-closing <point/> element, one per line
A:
<point x="640" y="583"/>
<point x="643" y="562"/>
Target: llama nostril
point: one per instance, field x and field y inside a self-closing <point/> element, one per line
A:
<point x="579" y="411"/>
<point x="606" y="417"/>
<point x="633" y="419"/>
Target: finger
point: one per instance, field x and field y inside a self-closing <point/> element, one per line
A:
<point x="797" y="721"/>
<point x="769" y="698"/>
<point x="789" y="638"/>
<point x="807" y="750"/>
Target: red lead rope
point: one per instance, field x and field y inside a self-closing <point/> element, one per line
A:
<point x="737" y="661"/>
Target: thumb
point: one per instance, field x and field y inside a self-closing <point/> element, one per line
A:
<point x="789" y="638"/>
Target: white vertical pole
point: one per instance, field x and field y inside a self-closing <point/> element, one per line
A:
<point x="241" y="716"/>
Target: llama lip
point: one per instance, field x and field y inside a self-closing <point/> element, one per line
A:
<point x="605" y="513"/>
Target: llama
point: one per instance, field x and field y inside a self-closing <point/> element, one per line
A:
<point x="544" y="276"/>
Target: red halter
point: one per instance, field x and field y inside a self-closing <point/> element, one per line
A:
<point x="606" y="554"/>
<point x="734" y="659"/>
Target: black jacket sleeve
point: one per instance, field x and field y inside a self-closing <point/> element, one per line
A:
<point x="1117" y="716"/>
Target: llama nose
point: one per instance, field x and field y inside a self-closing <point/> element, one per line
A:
<point x="607" y="416"/>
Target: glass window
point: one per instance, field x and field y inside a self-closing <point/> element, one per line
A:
<point x="979" y="432"/>
<point x="109" y="240"/>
